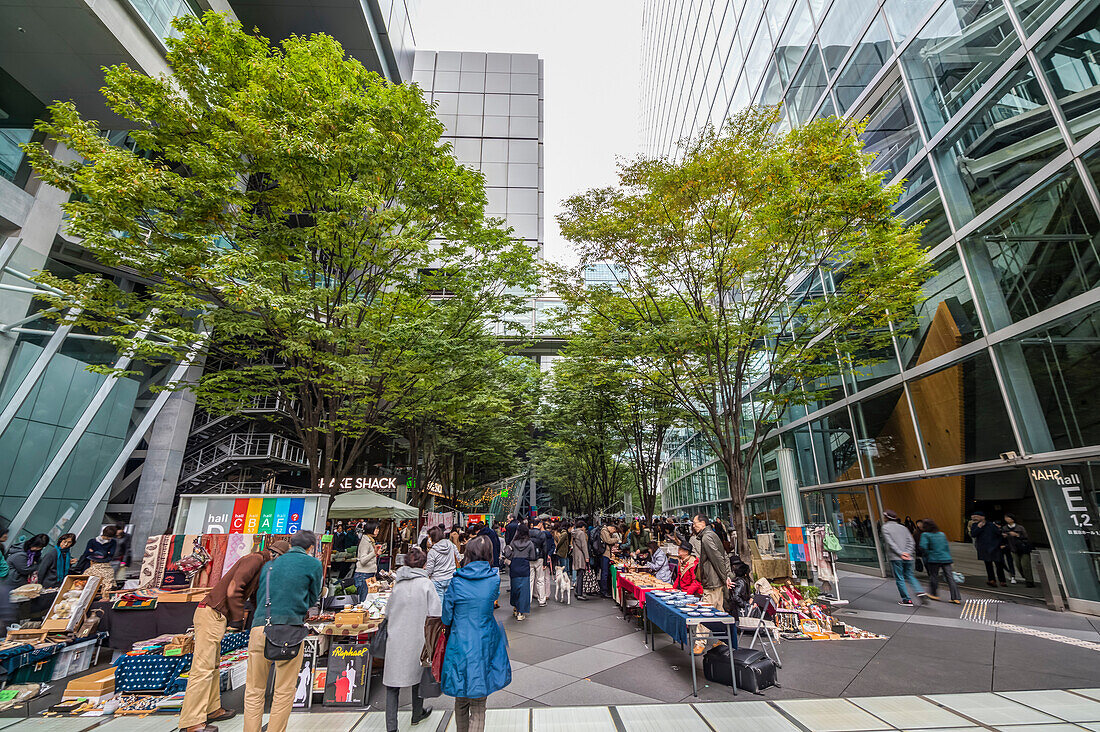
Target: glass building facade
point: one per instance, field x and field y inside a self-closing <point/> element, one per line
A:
<point x="987" y="112"/>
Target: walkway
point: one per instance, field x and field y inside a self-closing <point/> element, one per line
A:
<point x="1023" y="711"/>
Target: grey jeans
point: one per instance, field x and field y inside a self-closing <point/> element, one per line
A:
<point x="469" y="714"/>
<point x="393" y="696"/>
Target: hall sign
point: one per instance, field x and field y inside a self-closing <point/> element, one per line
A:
<point x="1082" y="522"/>
<point x="379" y="484"/>
<point x="281" y="515"/>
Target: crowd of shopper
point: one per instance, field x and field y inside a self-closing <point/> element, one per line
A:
<point x="36" y="559"/>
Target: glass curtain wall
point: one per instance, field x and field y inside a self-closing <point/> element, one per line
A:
<point x="988" y="114"/>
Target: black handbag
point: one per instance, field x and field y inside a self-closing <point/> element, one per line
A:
<point x="429" y="687"/>
<point x="378" y="642"/>
<point x="282" y="641"/>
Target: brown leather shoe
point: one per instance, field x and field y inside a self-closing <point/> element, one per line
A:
<point x="221" y="715"/>
<point x="201" y="728"/>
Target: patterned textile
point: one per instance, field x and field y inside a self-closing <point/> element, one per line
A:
<point x="239" y="545"/>
<point x="106" y="574"/>
<point x="234" y="641"/>
<point x="154" y="561"/>
<point x="215" y="544"/>
<point x="148" y="673"/>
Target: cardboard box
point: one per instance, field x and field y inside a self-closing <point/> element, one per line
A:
<point x="31" y="635"/>
<point x="93" y="685"/>
<point x="76" y="618"/>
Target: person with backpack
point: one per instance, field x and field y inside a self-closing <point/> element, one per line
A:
<point x="609" y="538"/>
<point x="937" y="558"/>
<point x="518" y="556"/>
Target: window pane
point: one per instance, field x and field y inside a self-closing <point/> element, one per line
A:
<point x="845" y="511"/>
<point x="921" y="203"/>
<point x="1071" y="62"/>
<point x="953" y="55"/>
<point x="870" y="368"/>
<point x="946" y="319"/>
<point x="962" y="414"/>
<point x="792" y="44"/>
<point x="1054" y="384"/>
<point x="771" y="91"/>
<point x="887" y="441"/>
<point x="891" y="132"/>
<point x="835" y="448"/>
<point x="904" y="15"/>
<point x="798" y="440"/>
<point x="1006" y="140"/>
<point x="1033" y="12"/>
<point x="757" y="59"/>
<point x="1041" y="253"/>
<point x="870" y="56"/>
<point x="776" y="14"/>
<point x="807" y="88"/>
<point x="840" y="28"/>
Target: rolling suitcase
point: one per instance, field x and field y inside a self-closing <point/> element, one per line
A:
<point x="755" y="671"/>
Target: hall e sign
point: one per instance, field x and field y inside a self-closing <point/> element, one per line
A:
<point x="1072" y="493"/>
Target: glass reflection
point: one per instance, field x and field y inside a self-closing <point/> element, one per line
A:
<point x="953" y="55"/>
<point x="921" y="203"/>
<point x="1071" y="61"/>
<point x="891" y="133"/>
<point x="946" y="319"/>
<point x="868" y="58"/>
<point x="1006" y="140"/>
<point x="887" y="440"/>
<point x="1042" y="252"/>
<point x="962" y="414"/>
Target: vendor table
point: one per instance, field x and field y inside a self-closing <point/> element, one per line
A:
<point x="626" y="589"/>
<point x="352" y="631"/>
<point x="684" y="629"/>
<point x="127" y="627"/>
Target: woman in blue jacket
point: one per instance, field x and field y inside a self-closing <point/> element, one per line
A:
<point x="937" y="558"/>
<point x="476" y="661"/>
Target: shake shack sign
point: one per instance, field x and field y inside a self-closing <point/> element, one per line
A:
<point x="379" y="484"/>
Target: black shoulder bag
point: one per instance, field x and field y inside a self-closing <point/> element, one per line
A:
<point x="283" y="642"/>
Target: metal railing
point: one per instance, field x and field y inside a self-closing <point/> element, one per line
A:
<point x="261" y="404"/>
<point x="242" y="447"/>
<point x="251" y="486"/>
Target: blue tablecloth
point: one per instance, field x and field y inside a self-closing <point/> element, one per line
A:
<point x="673" y="620"/>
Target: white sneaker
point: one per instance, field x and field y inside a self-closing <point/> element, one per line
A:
<point x="1012" y="579"/>
<point x="542" y="603"/>
<point x="520" y="616"/>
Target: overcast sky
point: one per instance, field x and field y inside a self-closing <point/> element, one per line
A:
<point x="591" y="60"/>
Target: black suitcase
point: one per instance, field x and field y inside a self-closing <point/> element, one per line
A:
<point x="755" y="671"/>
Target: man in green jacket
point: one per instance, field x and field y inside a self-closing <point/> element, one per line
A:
<point x="295" y="580"/>
<point x="714" y="572"/>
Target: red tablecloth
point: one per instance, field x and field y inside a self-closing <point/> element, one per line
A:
<point x="625" y="585"/>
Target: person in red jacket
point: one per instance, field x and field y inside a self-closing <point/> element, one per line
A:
<point x="685" y="579"/>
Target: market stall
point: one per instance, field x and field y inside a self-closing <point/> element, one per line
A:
<point x="680" y="616"/>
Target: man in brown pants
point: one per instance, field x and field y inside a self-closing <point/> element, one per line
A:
<point x="224" y="608"/>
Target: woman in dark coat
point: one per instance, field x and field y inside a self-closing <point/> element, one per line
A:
<point x="476" y="661"/>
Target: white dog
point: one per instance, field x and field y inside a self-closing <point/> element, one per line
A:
<point x="562" y="586"/>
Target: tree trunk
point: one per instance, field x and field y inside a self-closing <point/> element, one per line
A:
<point x="738" y="487"/>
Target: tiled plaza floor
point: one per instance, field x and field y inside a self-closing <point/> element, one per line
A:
<point x="584" y="667"/>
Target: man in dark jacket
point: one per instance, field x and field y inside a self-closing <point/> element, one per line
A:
<point x="510" y="529"/>
<point x="988" y="540"/>
<point x="224" y="608"/>
<point x="296" y="581"/>
<point x="495" y="539"/>
<point x="1017" y="545"/>
<point x="713" y="572"/>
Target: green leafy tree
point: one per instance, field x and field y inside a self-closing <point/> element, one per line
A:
<point x="582" y="456"/>
<point x="298" y="208"/>
<point x="755" y="264"/>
